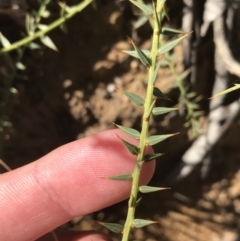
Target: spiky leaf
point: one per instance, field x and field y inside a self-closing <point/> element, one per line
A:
<point x="143" y="58"/>
<point x="183" y="75"/>
<point x="49" y="43"/>
<point x="156" y="72"/>
<point x="33" y="45"/>
<point x="171" y="31"/>
<point x="159" y="94"/>
<point x="235" y="87"/>
<point x="134" y="98"/>
<point x="138" y="201"/>
<point x="42" y="26"/>
<point x="132" y="148"/>
<point x="170" y="45"/>
<point x="114" y="227"/>
<point x="163" y="110"/>
<point x="135" y="54"/>
<point x="148" y="189"/>
<point x="139" y="223"/>
<point x="129" y="131"/>
<point x="140" y="22"/>
<point x="4" y="41"/>
<point x="165" y="12"/>
<point x="152" y="140"/>
<point x="121" y="177"/>
<point x="150" y="157"/>
<point x="144" y="7"/>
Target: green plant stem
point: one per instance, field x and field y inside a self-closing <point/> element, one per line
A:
<point x="186" y="101"/>
<point x="73" y="10"/>
<point x="145" y="126"/>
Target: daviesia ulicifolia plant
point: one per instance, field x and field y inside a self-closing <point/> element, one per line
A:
<point x="152" y="61"/>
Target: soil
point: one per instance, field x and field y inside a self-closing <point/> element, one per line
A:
<point x="72" y="93"/>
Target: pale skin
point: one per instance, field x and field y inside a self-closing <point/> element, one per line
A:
<point x="68" y="182"/>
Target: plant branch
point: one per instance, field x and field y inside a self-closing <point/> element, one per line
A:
<point x="72" y="11"/>
<point x="145" y="124"/>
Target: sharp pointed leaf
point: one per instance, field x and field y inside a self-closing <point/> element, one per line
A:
<point x="121" y="177"/>
<point x="150" y="157"/>
<point x="114" y="227"/>
<point x="235" y="87"/>
<point x="135" y="54"/>
<point x="33" y="45"/>
<point x="132" y="148"/>
<point x="134" y="98"/>
<point x="150" y="109"/>
<point x="152" y="140"/>
<point x="138" y="201"/>
<point x="163" y="110"/>
<point x="49" y="43"/>
<point x="170" y="45"/>
<point x="171" y="31"/>
<point x="42" y="26"/>
<point x="148" y="189"/>
<point x="4" y="41"/>
<point x="45" y="14"/>
<point x="141" y="55"/>
<point x="165" y="12"/>
<point x="140" y="22"/>
<point x="139" y="223"/>
<point x="159" y="94"/>
<point x="191" y="95"/>
<point x="183" y="75"/>
<point x="154" y="77"/>
<point x="129" y="131"/>
<point x="144" y="7"/>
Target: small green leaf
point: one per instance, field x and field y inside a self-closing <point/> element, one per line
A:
<point x="158" y="93"/>
<point x="33" y="45"/>
<point x="138" y="201"/>
<point x="13" y="90"/>
<point x="132" y="148"/>
<point x="150" y="157"/>
<point x="134" y="98"/>
<point x="45" y="14"/>
<point x="165" y="12"/>
<point x="183" y="75"/>
<point x="191" y="95"/>
<point x="20" y="66"/>
<point x="170" y="45"/>
<point x="148" y="189"/>
<point x="144" y="7"/>
<point x="171" y="31"/>
<point x="114" y="227"/>
<point x="135" y="54"/>
<point x="129" y="131"/>
<point x="152" y="140"/>
<point x="42" y="26"/>
<point x="49" y="43"/>
<point x="163" y="110"/>
<point x="139" y="223"/>
<point x="235" y="87"/>
<point x="121" y="177"/>
<point x="4" y="41"/>
<point x="144" y="59"/>
<point x="155" y="72"/>
<point x="140" y="22"/>
<point x="150" y="109"/>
